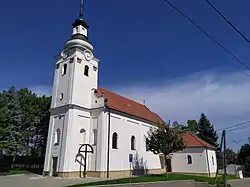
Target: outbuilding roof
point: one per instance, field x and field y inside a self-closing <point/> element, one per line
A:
<point x="193" y="141"/>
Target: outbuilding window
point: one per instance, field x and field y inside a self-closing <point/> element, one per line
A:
<point x="189" y="159"/>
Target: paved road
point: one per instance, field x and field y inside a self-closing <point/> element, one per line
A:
<point x="240" y="182"/>
<point x="39" y="181"/>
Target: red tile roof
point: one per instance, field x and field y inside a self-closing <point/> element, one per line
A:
<point x="128" y="106"/>
<point x="193" y="141"/>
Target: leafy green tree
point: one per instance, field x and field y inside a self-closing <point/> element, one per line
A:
<point x="178" y="127"/>
<point x="164" y="140"/>
<point x="13" y="143"/>
<point x="206" y="131"/>
<point x="36" y="119"/>
<point x="24" y="120"/>
<point x="231" y="156"/>
<point x="244" y="155"/>
<point x="43" y="126"/>
<point x="4" y="118"/>
<point x="192" y="126"/>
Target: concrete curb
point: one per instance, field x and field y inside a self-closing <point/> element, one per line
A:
<point x="125" y="184"/>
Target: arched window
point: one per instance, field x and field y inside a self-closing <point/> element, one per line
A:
<point x="189" y="159"/>
<point x="212" y="160"/>
<point x="57" y="136"/>
<point x="61" y="96"/>
<point x="86" y="70"/>
<point x="95" y="136"/>
<point x="64" y="69"/>
<point x="147" y="146"/>
<point x="83" y="135"/>
<point x="114" y="141"/>
<point x="133" y="143"/>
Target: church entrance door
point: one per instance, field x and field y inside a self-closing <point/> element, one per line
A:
<point x="54" y="166"/>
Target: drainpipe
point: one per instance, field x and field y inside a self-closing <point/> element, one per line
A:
<point x="108" y="110"/>
<point x="208" y="167"/>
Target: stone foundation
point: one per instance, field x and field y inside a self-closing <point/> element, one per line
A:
<point x="118" y="174"/>
<point x="102" y="174"/>
<point x="212" y="175"/>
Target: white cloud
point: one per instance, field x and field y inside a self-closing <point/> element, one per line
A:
<point x="223" y="97"/>
<point x="41" y="90"/>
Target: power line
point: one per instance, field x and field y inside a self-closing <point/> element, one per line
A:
<point x="234" y="126"/>
<point x="239" y="128"/>
<point x="241" y="140"/>
<point x="227" y="20"/>
<point x="209" y="36"/>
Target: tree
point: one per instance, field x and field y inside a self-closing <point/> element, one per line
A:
<point x="164" y="140"/>
<point x="192" y="126"/>
<point x="43" y="126"/>
<point x="231" y="156"/>
<point x="4" y="117"/>
<point x="24" y="120"/>
<point x="178" y="127"/>
<point x="13" y="142"/>
<point x="244" y="155"/>
<point x="206" y="131"/>
<point x="36" y="119"/>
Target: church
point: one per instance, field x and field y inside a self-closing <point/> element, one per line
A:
<point x="94" y="132"/>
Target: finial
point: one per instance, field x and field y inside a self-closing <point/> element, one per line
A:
<point x="81" y="9"/>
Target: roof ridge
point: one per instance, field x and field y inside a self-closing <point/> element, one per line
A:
<point x="128" y="105"/>
<point x="125" y="97"/>
<point x="200" y="140"/>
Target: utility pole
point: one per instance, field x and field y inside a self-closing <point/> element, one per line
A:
<point x="224" y="159"/>
<point x="249" y="140"/>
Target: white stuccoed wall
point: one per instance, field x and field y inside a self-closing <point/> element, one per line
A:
<point x="211" y="158"/>
<point x="199" y="158"/>
<point x="125" y="128"/>
<point x="82" y="85"/>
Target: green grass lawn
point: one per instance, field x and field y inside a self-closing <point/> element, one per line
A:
<point x="155" y="178"/>
<point x="17" y="172"/>
<point x="14" y="172"/>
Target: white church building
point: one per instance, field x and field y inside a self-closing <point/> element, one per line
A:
<point x="92" y="130"/>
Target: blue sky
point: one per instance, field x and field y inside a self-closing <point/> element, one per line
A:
<point x="150" y="46"/>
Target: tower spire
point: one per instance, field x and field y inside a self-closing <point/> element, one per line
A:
<point x="81" y="9"/>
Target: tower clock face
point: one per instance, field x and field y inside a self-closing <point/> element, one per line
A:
<point x="88" y="55"/>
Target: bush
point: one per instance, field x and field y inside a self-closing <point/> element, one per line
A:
<point x="4" y="165"/>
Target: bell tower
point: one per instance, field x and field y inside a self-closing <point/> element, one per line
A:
<point x="76" y="71"/>
<point x="75" y="79"/>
